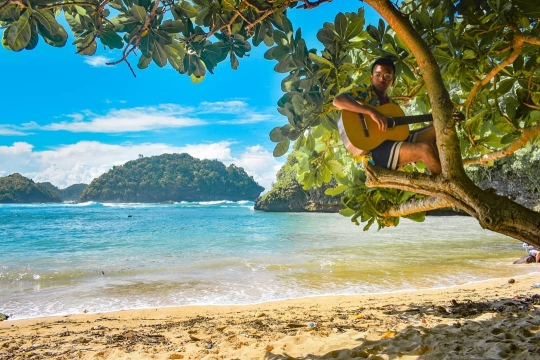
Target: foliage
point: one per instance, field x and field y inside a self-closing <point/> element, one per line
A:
<point x="172" y="177"/>
<point x="15" y="188"/>
<point x="191" y="36"/>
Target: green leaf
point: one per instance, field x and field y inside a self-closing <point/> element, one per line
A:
<point x="159" y="55"/>
<point x="46" y="18"/>
<point x="348" y="212"/>
<point x="34" y="39"/>
<point x="492" y="140"/>
<point x="110" y="38"/>
<point x="327" y="37"/>
<point x="19" y="33"/>
<point x="469" y="54"/>
<point x="418" y="217"/>
<point x="162" y="37"/>
<point x="336" y="191"/>
<point x="509" y="138"/>
<point x="188" y="9"/>
<point x="143" y="62"/>
<point x="172" y="27"/>
<point x="319" y="60"/>
<point x="340" y="24"/>
<point x="139" y="13"/>
<point x="58" y="39"/>
<point x="276" y="135"/>
<point x="86" y="45"/>
<point x="334" y="166"/>
<point x="281" y="148"/>
<point x="354" y="28"/>
<point x="505" y="86"/>
<point x="196" y="79"/>
<point x="234" y="61"/>
<point x="442" y="57"/>
<point x="11" y="12"/>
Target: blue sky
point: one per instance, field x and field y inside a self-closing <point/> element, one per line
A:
<point x="67" y="118"/>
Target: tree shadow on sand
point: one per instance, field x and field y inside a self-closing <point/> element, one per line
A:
<point x="506" y="328"/>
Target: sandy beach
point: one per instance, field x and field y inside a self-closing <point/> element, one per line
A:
<point x="497" y="319"/>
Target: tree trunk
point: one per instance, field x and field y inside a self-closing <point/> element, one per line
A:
<point x="452" y="187"/>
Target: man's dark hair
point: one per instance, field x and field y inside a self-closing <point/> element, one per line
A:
<point x="384" y="61"/>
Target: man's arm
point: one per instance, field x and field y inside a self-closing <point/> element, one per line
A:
<point x="345" y="102"/>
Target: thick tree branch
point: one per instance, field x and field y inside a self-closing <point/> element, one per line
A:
<point x="526" y="135"/>
<point x="417" y="205"/>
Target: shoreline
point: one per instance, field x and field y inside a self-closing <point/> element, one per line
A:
<point x="487" y="319"/>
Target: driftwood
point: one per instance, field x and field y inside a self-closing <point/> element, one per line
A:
<point x="525" y="259"/>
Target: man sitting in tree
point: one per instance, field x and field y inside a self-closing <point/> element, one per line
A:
<point x="419" y="146"/>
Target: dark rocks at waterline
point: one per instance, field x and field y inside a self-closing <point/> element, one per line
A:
<point x="3" y="317"/>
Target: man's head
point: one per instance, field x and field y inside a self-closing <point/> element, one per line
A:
<point x="382" y="74"/>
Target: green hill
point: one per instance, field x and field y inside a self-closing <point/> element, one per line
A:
<point x="15" y="188"/>
<point x="71" y="193"/>
<point x="172" y="178"/>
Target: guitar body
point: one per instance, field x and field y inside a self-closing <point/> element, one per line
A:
<point x="360" y="136"/>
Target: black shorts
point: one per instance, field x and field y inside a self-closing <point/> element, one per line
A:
<point x="387" y="154"/>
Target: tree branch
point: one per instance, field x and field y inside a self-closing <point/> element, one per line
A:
<point x="526" y="135"/>
<point x="517" y="48"/>
<point x="311" y="4"/>
<point x="416" y="205"/>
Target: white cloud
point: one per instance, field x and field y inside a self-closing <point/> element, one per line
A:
<point x="8" y="130"/>
<point x="149" y="118"/>
<point x="128" y="120"/>
<point x="223" y="107"/>
<point x="248" y="118"/>
<point x="97" y="61"/>
<point x="86" y="160"/>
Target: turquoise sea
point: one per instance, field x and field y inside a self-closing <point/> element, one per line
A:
<point x="92" y="257"/>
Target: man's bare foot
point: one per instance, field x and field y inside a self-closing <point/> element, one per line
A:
<point x="537" y="257"/>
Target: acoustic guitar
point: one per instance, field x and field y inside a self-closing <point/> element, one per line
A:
<point x="360" y="133"/>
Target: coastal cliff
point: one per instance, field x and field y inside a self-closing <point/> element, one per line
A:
<point x="287" y="194"/>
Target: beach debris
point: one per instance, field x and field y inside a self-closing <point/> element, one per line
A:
<point x="389" y="334"/>
<point x="295" y="326"/>
<point x="511" y="281"/>
<point x="3" y="317"/>
<point x="441" y="309"/>
<point x="176" y="356"/>
<point x="536" y="284"/>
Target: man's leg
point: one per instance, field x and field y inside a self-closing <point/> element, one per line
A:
<point x="413" y="152"/>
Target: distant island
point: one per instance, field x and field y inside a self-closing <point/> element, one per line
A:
<point x="16" y="189"/>
<point x="156" y="179"/>
<point x="172" y="178"/>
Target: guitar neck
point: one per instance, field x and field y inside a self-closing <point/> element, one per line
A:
<point x="405" y="120"/>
